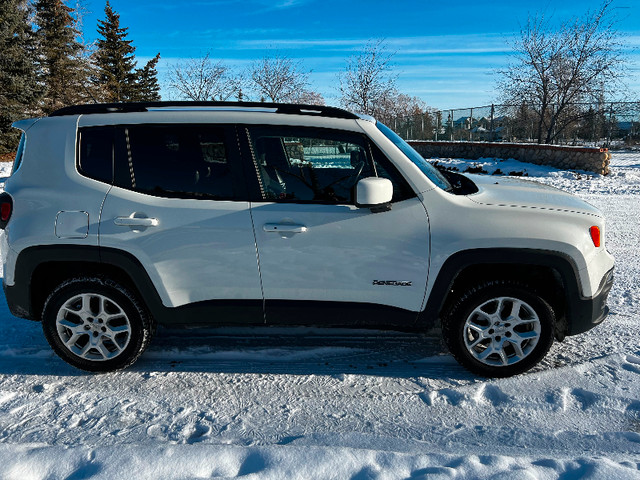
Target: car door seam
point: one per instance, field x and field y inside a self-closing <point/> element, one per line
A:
<point x="104" y="199"/>
<point x="255" y="242"/>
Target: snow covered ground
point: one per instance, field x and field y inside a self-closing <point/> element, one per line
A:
<point x="313" y="403"/>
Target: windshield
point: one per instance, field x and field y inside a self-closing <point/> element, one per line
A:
<point x="425" y="167"/>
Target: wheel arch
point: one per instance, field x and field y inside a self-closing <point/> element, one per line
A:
<point x="553" y="274"/>
<point x="40" y="269"/>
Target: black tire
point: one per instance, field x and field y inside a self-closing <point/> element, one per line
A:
<point x="103" y="326"/>
<point x="482" y="333"/>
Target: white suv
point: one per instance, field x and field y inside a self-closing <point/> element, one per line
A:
<point x="118" y="217"/>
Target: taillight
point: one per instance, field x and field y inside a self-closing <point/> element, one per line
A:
<point x="595" y="235"/>
<point x="6" y="209"/>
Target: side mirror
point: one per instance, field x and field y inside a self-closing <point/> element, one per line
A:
<point x="374" y="193"/>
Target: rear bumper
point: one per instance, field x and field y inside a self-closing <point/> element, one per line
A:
<point x="586" y="313"/>
<point x="18" y="301"/>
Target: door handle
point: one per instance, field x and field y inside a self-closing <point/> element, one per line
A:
<point x="136" y="221"/>
<point x="284" y="228"/>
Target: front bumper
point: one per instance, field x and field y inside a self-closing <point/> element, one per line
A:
<point x="586" y="313"/>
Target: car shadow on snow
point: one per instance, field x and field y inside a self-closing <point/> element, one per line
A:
<point x="263" y="350"/>
<point x="375" y="353"/>
<point x="255" y="350"/>
<point x="300" y="351"/>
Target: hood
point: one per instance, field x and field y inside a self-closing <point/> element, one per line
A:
<point x="514" y="192"/>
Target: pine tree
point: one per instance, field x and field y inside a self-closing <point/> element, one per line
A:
<point x="58" y="54"/>
<point x="114" y="59"/>
<point x="147" y="87"/>
<point x="19" y="89"/>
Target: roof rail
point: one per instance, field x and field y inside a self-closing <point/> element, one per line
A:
<point x="318" y="110"/>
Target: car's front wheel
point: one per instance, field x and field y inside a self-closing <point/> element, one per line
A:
<point x="499" y="328"/>
<point x="96" y="324"/>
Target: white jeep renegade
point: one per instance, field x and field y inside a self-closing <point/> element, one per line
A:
<point x="118" y="217"/>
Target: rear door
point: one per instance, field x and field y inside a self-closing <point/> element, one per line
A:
<point x="322" y="259"/>
<point x="179" y="205"/>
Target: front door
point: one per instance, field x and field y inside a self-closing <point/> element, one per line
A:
<point x="322" y="259"/>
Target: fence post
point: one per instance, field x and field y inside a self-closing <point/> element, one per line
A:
<point x="533" y="127"/>
<point x="451" y="123"/>
<point x="553" y="124"/>
<point x="491" y="130"/>
<point x="610" y="125"/>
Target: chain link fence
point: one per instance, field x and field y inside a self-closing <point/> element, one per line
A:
<point x="613" y="125"/>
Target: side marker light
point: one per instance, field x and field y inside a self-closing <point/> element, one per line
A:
<point x="595" y="235"/>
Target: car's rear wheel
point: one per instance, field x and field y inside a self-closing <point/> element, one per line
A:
<point x="96" y="324"/>
<point x="499" y="328"/>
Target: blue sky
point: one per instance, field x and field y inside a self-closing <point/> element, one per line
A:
<point x="446" y="52"/>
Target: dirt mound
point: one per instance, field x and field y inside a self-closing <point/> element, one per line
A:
<point x="7" y="157"/>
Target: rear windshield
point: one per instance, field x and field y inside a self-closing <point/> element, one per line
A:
<point x="19" y="153"/>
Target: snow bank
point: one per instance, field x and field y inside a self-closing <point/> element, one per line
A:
<point x="277" y="463"/>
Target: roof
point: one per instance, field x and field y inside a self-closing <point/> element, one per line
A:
<point x="284" y="108"/>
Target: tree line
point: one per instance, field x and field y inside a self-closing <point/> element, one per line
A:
<point x="558" y="87"/>
<point x="45" y="64"/>
<point x="367" y="84"/>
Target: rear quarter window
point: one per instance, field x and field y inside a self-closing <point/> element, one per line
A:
<point x="95" y="153"/>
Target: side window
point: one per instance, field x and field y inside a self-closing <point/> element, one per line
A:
<point x="186" y="161"/>
<point x="309" y="165"/>
<point x="95" y="153"/>
<point x="214" y="175"/>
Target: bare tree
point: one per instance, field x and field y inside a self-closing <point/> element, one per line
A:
<point x="367" y="83"/>
<point x="408" y="116"/>
<point x="308" y="97"/>
<point x="398" y="106"/>
<point x="201" y="79"/>
<point x="280" y="79"/>
<point x="555" y="69"/>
